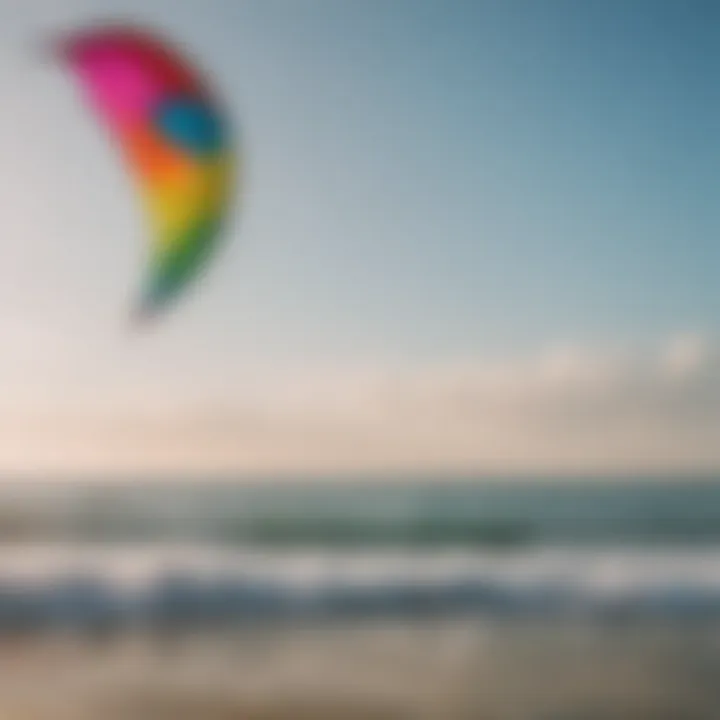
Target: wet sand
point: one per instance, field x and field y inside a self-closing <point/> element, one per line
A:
<point x="446" y="671"/>
<point x="450" y="670"/>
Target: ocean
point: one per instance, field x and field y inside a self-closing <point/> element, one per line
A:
<point x="507" y="599"/>
<point x="481" y="513"/>
<point x="607" y="547"/>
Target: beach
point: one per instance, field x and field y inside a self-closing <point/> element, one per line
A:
<point x="460" y="602"/>
<point x="448" y="670"/>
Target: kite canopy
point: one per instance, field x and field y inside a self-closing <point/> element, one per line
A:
<point x="176" y="141"/>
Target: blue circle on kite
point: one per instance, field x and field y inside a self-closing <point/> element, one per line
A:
<point x="191" y="124"/>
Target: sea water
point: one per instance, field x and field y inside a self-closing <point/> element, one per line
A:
<point x="368" y="547"/>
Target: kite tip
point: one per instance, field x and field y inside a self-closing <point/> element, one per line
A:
<point x="141" y="317"/>
<point x="53" y="49"/>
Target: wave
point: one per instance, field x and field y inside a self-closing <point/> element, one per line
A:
<point x="188" y="586"/>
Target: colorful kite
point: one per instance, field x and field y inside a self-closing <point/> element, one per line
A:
<point x="176" y="141"/>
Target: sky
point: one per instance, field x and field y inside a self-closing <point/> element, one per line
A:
<point x="473" y="236"/>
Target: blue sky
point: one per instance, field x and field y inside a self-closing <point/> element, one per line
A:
<point x="428" y="185"/>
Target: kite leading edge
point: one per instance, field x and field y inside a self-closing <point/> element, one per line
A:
<point x="176" y="141"/>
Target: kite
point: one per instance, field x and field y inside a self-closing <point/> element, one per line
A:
<point x="176" y="142"/>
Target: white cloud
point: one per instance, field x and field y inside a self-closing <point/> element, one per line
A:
<point x="562" y="410"/>
<point x="686" y="355"/>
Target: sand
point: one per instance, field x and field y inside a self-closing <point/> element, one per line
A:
<point x="446" y="670"/>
